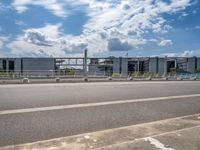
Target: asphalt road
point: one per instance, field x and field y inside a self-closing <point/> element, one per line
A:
<point x="26" y="127"/>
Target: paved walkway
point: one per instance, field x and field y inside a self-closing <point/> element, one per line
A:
<point x="182" y="133"/>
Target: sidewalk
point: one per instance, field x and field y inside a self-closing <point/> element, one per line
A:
<point x="181" y="133"/>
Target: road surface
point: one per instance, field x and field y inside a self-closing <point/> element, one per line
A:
<point x="35" y="112"/>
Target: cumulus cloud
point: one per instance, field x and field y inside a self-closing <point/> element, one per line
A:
<point x="116" y="44"/>
<point x="46" y="41"/>
<point x="42" y="36"/>
<point x="113" y="25"/>
<point x="165" y="43"/>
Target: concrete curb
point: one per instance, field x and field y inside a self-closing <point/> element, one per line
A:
<point x="115" y="138"/>
<point x="82" y="80"/>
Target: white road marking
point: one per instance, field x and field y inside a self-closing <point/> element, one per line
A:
<point x="50" y="108"/>
<point x="157" y="143"/>
<point x="153" y="136"/>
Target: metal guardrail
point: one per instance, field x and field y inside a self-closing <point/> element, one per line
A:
<point x="81" y="73"/>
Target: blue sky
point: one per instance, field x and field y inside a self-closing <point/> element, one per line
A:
<point x="41" y="28"/>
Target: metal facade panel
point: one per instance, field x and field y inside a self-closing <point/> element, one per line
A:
<point x="124" y="67"/>
<point x="153" y="65"/>
<point x="40" y="66"/>
<point x="191" y="64"/>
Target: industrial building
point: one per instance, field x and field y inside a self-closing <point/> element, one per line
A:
<point x="123" y="66"/>
<point x="158" y="65"/>
<point x="28" y="66"/>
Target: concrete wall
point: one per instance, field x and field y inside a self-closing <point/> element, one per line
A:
<point x="38" y="66"/>
<point x="153" y="65"/>
<point x="124" y="71"/>
<point x="162" y="66"/>
<point x="191" y="64"/>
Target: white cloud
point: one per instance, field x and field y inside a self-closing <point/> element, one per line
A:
<point x="197" y="27"/>
<point x="55" y="6"/>
<point x="169" y="54"/>
<point x="43" y="36"/>
<point x="4" y="8"/>
<point x="166" y="42"/>
<point x="46" y="41"/>
<point x="125" y="20"/>
<point x="187" y="53"/>
<point x="129" y="21"/>
<point x="1" y="44"/>
<point x="3" y="40"/>
<point x="19" y="22"/>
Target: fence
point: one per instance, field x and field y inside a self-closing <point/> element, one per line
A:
<point x="80" y="74"/>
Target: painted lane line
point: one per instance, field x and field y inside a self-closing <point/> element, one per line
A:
<point x="28" y="110"/>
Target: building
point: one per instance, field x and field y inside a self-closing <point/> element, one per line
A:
<point x="157" y="65"/>
<point x="123" y="66"/>
<point x="28" y="66"/>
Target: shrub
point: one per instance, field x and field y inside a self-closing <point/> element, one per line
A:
<point x="69" y="72"/>
<point x="197" y="70"/>
<point x="115" y="75"/>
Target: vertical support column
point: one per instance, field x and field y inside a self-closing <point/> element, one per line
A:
<point x="175" y="65"/>
<point x="165" y="66"/>
<point x="175" y="61"/>
<point x="85" y="63"/>
<point x="7" y="66"/>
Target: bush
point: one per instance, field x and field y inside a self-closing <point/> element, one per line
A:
<point x="197" y="70"/>
<point x="2" y="73"/>
<point x="115" y="75"/>
<point x="136" y="74"/>
<point x="69" y="72"/>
